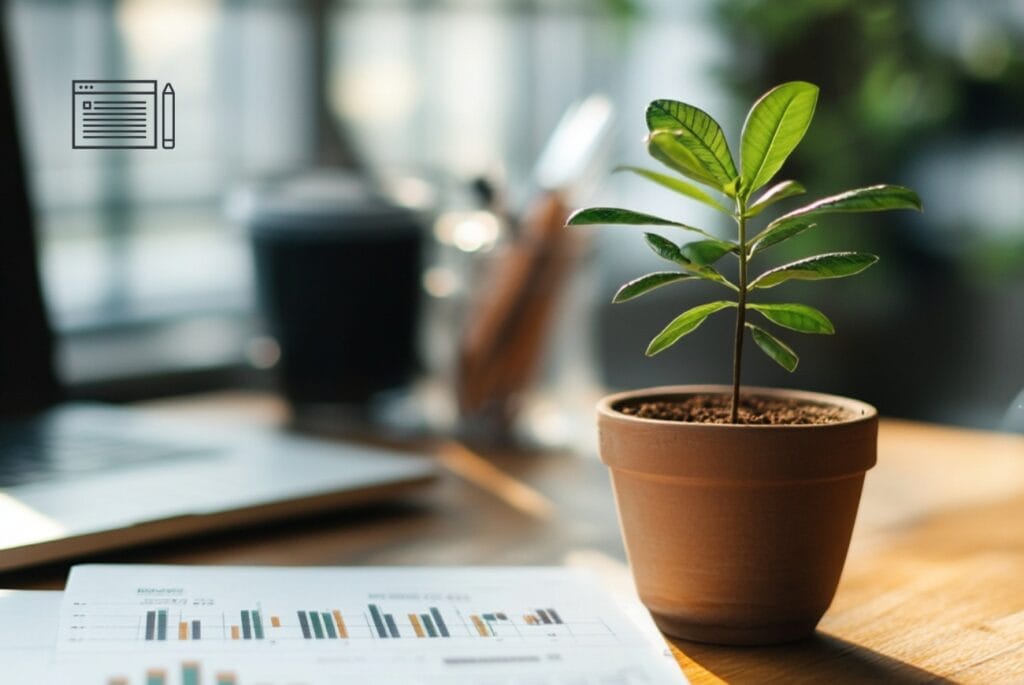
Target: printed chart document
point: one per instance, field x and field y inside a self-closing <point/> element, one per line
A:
<point x="179" y="625"/>
<point x="28" y="634"/>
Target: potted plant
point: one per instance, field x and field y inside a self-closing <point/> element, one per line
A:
<point x="737" y="504"/>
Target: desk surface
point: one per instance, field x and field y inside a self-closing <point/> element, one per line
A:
<point x="933" y="588"/>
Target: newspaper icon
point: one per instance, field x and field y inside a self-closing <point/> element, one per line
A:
<point x="118" y="115"/>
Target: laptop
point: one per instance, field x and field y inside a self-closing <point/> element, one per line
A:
<point x="77" y="479"/>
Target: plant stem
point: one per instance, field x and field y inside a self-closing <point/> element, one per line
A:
<point x="741" y="313"/>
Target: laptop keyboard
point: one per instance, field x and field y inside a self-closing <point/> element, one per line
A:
<point x="27" y="457"/>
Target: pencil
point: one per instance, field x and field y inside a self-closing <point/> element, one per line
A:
<point x="168" y="117"/>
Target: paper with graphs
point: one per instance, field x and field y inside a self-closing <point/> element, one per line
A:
<point x="175" y="625"/>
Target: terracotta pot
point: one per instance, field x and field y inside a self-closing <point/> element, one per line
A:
<point x="736" y="534"/>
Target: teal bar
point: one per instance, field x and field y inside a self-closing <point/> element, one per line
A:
<point x="190" y="674"/>
<point x="329" y="625"/>
<point x="318" y="629"/>
<point x="257" y="625"/>
<point x="155" y="679"/>
<point x="429" y="625"/>
<point x="226" y="679"/>
<point x="161" y="624"/>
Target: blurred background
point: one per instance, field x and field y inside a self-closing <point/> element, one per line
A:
<point x="447" y="105"/>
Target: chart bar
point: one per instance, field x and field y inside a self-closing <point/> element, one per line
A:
<point x="196" y="630"/>
<point x="554" y="616"/>
<point x="155" y="676"/>
<point x="161" y="624"/>
<point x="441" y="627"/>
<point x="235" y="633"/>
<point x="304" y="624"/>
<point x="392" y="626"/>
<point x="190" y="673"/>
<point x="378" y="622"/>
<point x="417" y="627"/>
<point x="150" y="625"/>
<point x="246" y="626"/>
<point x="226" y="679"/>
<point x="480" y="627"/>
<point x="544" y="616"/>
<point x="329" y="626"/>
<point x="117" y="681"/>
<point x="275" y="621"/>
<point x="318" y="629"/>
<point x="183" y="630"/>
<point x="429" y="625"/>
<point x="257" y="624"/>
<point x="530" y="619"/>
<point x="340" y="623"/>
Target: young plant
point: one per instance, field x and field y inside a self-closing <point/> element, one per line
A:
<point x="689" y="142"/>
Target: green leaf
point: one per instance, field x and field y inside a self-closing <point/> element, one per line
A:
<point x="781" y="353"/>
<point x="774" y="235"/>
<point x="668" y="250"/>
<point x="878" y="198"/>
<point x="819" y="267"/>
<point x="779" y="191"/>
<point x="698" y="132"/>
<point x="664" y="248"/>
<point x="662" y="146"/>
<point x="798" y="317"/>
<point x="645" y="284"/>
<point x="679" y="186"/>
<point x="705" y="252"/>
<point x="774" y="127"/>
<point x="685" y="323"/>
<point x="613" y="215"/>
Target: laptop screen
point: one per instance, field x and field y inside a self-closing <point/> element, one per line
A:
<point x="27" y="378"/>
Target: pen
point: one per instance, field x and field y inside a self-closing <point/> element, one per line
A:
<point x="168" y="117"/>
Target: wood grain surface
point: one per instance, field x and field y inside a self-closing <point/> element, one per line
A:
<point x="933" y="589"/>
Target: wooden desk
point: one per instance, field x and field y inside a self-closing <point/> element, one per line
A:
<point x="933" y="589"/>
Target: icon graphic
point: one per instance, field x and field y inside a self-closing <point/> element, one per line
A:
<point x="119" y="114"/>
<point x="167" y="105"/>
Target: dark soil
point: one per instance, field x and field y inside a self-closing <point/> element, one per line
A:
<point x="753" y="410"/>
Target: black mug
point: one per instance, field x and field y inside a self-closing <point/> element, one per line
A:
<point x="338" y="282"/>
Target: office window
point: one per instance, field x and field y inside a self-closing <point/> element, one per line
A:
<point x="140" y="238"/>
<point x="133" y="237"/>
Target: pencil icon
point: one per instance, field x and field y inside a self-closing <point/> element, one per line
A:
<point x="167" y="105"/>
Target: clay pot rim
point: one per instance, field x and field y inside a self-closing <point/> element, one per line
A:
<point x="862" y="412"/>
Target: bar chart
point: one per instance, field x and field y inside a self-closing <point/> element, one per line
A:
<point x="187" y="673"/>
<point x="372" y="621"/>
<point x="152" y="625"/>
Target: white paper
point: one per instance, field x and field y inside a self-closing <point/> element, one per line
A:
<point x="28" y="634"/>
<point x="509" y="626"/>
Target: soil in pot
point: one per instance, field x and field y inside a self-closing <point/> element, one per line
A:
<point x="754" y="410"/>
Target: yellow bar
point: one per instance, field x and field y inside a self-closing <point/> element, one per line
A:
<point x="415" y="621"/>
<point x="275" y="621"/>
<point x="183" y="630"/>
<point x="117" y="681"/>
<point x="234" y="632"/>
<point x="480" y="627"/>
<point x="226" y="677"/>
<point x="340" y="622"/>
